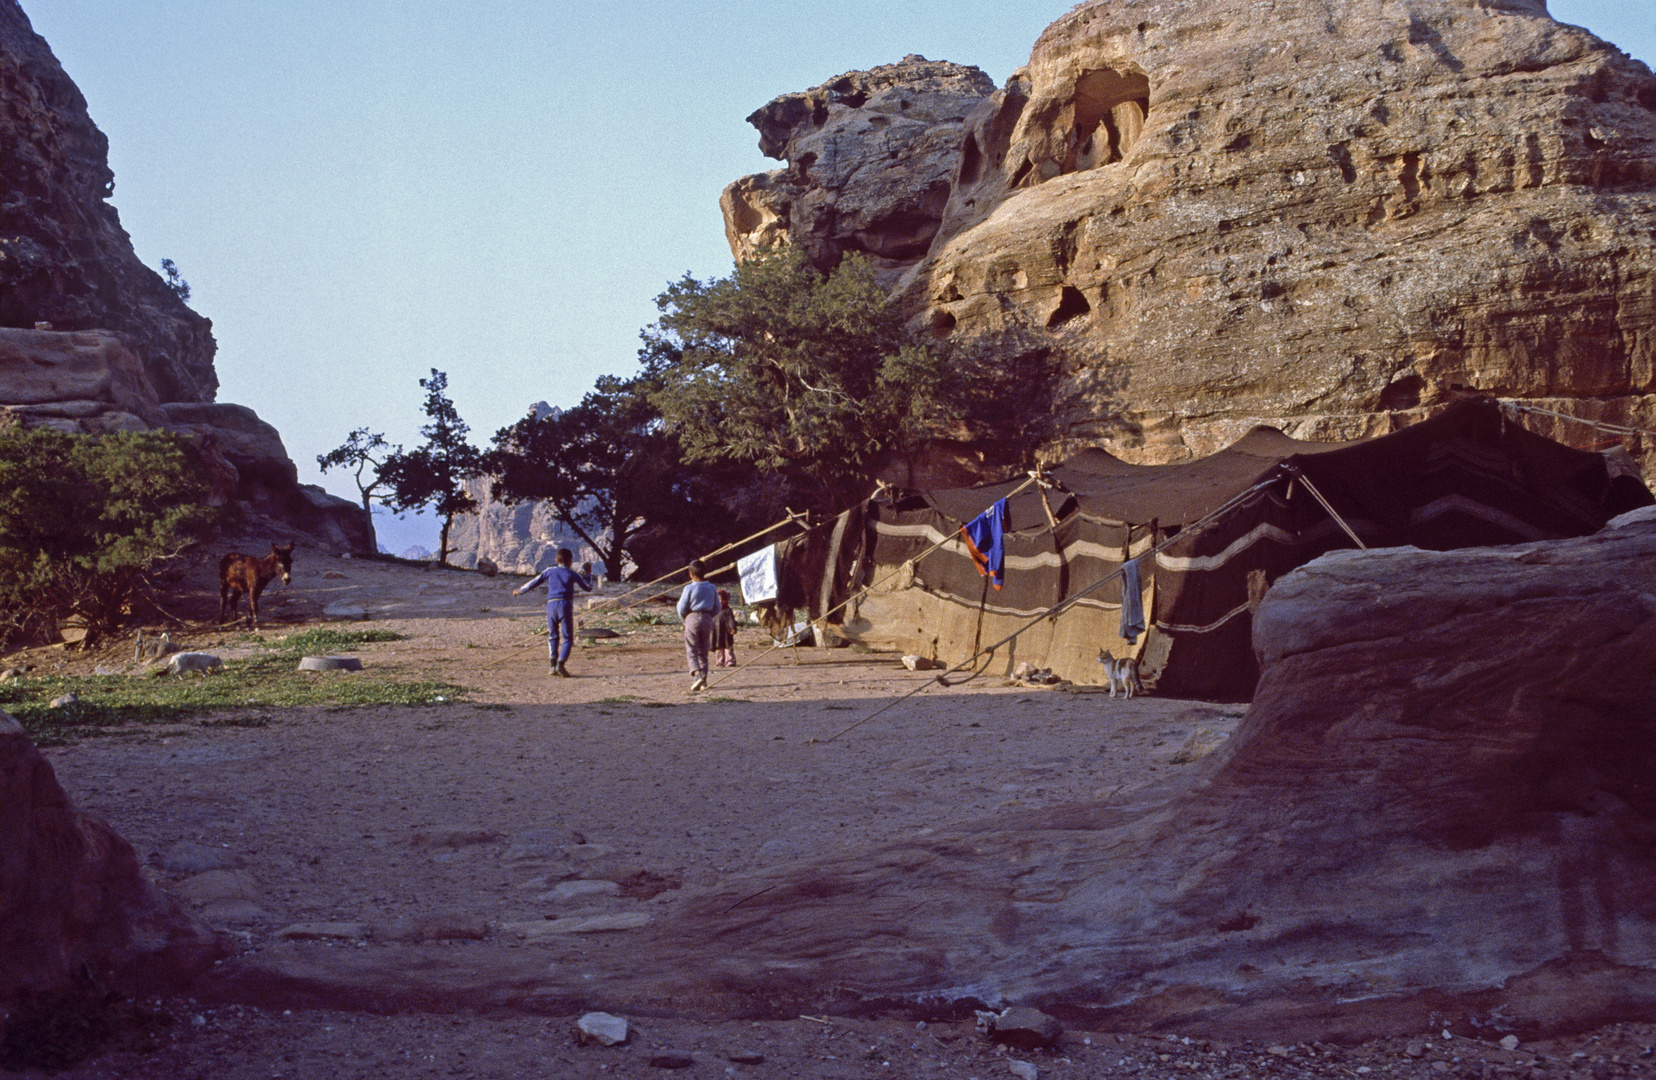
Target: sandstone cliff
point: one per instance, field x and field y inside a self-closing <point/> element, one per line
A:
<point x="870" y="156"/>
<point x="520" y="538"/>
<point x="1326" y="220"/>
<point x="91" y="339"/>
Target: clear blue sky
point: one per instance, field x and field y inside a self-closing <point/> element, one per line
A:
<point x="361" y="190"/>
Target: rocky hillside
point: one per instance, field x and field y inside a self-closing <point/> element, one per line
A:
<point x="92" y="340"/>
<point x="1328" y="221"/>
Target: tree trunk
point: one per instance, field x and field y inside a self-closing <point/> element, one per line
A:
<point x="368" y="522"/>
<point x="442" y="540"/>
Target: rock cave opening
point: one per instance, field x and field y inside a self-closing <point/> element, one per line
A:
<point x="1072" y="304"/>
<point x="1109" y="109"/>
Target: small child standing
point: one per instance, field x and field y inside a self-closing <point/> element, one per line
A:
<point x="724" y="631"/>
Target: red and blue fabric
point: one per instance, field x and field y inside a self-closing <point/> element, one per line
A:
<point x="986" y="542"/>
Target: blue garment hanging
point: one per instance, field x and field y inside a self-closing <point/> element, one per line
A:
<point x="986" y="541"/>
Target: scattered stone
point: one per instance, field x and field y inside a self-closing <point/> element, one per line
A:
<point x="451" y="836"/>
<point x="1202" y="743"/>
<point x="234" y="912"/>
<point x="604" y="1029"/>
<point x="12" y="674"/>
<point x="330" y="663"/>
<point x="214" y="885"/>
<point x="345" y="609"/>
<point x="919" y="663"/>
<point x="546" y="929"/>
<point x="671" y="1059"/>
<point x="1277" y="1051"/>
<point x="1029" y="674"/>
<point x="1415" y="1049"/>
<point x="188" y="858"/>
<point x="1024" y="1028"/>
<point x="487" y="567"/>
<point x="746" y="1057"/>
<point x="571" y="890"/>
<point x="413" y="930"/>
<point x="64" y="701"/>
<point x="152" y="647"/>
<point x="324" y="931"/>
<point x="1023" y="1070"/>
<point x="596" y="633"/>
<point x="1509" y="1042"/>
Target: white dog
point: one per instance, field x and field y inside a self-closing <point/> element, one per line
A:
<point x="180" y="662"/>
<point x="1122" y="672"/>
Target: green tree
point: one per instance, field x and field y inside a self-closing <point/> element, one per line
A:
<point x="175" y="280"/>
<point x="85" y="523"/>
<point x="793" y="371"/>
<point x="606" y="466"/>
<point x="365" y="454"/>
<point x="434" y="473"/>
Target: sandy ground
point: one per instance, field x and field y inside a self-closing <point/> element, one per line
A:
<point x="605" y="795"/>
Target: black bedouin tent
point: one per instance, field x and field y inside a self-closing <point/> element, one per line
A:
<point x="1467" y="477"/>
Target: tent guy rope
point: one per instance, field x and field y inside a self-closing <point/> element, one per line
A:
<point x="1034" y="477"/>
<point x="1190" y="530"/>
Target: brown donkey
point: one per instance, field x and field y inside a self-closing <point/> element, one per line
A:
<point x="243" y="574"/>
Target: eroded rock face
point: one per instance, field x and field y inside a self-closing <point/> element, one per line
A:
<point x="73" y="896"/>
<point x="1317" y="220"/>
<point x="64" y="258"/>
<point x="91" y="340"/>
<point x="1327" y="220"/>
<point x="870" y="157"/>
<point x="521" y="538"/>
<point x="1440" y="799"/>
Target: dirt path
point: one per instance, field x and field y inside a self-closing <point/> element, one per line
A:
<point x="607" y="796"/>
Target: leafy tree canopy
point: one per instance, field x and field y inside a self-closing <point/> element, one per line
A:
<point x="84" y="522"/>
<point x="606" y="465"/>
<point x="789" y="370"/>
<point x="434" y="473"/>
<point x="365" y="454"/>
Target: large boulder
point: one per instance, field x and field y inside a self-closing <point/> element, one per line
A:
<point x="1439" y="804"/>
<point x="1328" y="220"/>
<point x="870" y="157"/>
<point x="74" y="901"/>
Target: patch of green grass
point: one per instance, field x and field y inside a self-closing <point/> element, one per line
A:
<point x="268" y="680"/>
<point x="649" y="618"/>
<point x="725" y="700"/>
<point x="621" y="699"/>
<point x="320" y="639"/>
<point x="493" y="707"/>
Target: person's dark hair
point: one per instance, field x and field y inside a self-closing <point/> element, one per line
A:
<point x="565" y="557"/>
<point x="698" y="569"/>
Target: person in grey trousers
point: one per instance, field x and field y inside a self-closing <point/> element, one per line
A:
<point x="698" y="606"/>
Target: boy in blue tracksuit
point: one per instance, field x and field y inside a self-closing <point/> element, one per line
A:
<point x="560" y="581"/>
